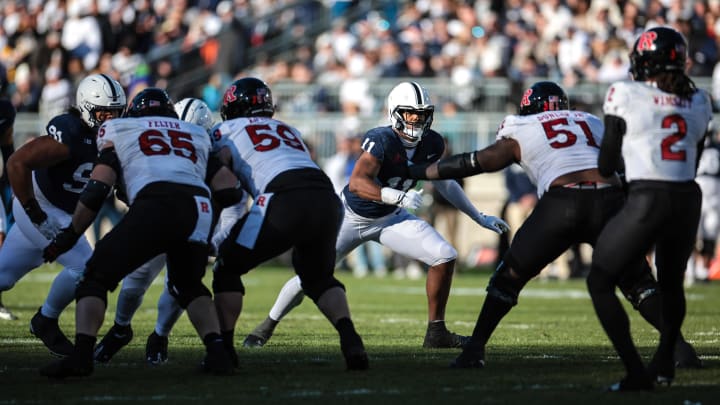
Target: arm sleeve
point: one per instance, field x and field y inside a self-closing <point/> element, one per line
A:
<point x="610" y="158"/>
<point x="451" y="190"/>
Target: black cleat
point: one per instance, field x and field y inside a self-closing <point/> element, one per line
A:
<point x="254" y="341"/>
<point x="115" y="339"/>
<point x="70" y="366"/>
<point x="48" y="330"/>
<point x="261" y="334"/>
<point x="636" y="383"/>
<point x="156" y="349"/>
<point x="662" y="370"/>
<point x="353" y="350"/>
<point x="471" y="357"/>
<point x="444" y="339"/>
<point x="685" y="356"/>
<point x="217" y="360"/>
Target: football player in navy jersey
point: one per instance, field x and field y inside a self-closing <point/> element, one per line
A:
<point x="169" y="213"/>
<point x="377" y="199"/>
<point x="7" y="120"/>
<point x="656" y="125"/>
<point x="47" y="176"/>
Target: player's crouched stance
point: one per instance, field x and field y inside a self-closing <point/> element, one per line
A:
<point x="295" y="207"/>
<point x="170" y="212"/>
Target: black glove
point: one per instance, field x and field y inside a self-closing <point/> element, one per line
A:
<point x="63" y="241"/>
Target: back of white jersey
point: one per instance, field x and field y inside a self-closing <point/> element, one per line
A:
<point x="662" y="130"/>
<point x="261" y="149"/>
<point x="152" y="149"/>
<point x="554" y="143"/>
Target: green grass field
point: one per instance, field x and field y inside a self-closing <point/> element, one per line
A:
<point x="549" y="349"/>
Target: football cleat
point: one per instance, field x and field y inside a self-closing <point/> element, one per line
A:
<point x="686" y="356"/>
<point x="48" y="330"/>
<point x="637" y="383"/>
<point x="662" y="370"/>
<point x="217" y="360"/>
<point x="156" y="349"/>
<point x="6" y="314"/>
<point x="441" y="338"/>
<point x="261" y="334"/>
<point x="116" y="338"/>
<point x="70" y="366"/>
<point x="472" y="356"/>
<point x="254" y="341"/>
<point x="353" y="350"/>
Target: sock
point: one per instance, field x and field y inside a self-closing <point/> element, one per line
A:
<point x="213" y="340"/>
<point x="290" y="296"/>
<point x="169" y="312"/>
<point x="122" y="329"/>
<point x="437" y="325"/>
<point x="227" y="337"/>
<point x="129" y="300"/>
<point x="61" y="294"/>
<point x="348" y="335"/>
<point x="492" y="312"/>
<point x="85" y="345"/>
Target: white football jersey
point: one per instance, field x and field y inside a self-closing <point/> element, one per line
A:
<point x="261" y="149"/>
<point x="554" y="143"/>
<point x="662" y="130"/>
<point x="152" y="149"/>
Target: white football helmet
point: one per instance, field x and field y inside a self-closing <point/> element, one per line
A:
<point x="195" y="111"/>
<point x="410" y="97"/>
<point x="99" y="92"/>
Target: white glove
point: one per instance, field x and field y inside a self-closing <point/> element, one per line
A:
<point x="492" y="223"/>
<point x="410" y="199"/>
<point x="49" y="228"/>
<point x="47" y="225"/>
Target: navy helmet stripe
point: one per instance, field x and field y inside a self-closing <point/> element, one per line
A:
<point x="418" y="93"/>
<point x="186" y="109"/>
<point x="112" y="86"/>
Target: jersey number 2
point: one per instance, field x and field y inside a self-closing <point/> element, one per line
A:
<point x="681" y="130"/>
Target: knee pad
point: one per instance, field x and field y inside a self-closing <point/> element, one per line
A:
<point x="224" y="281"/>
<point x="316" y="288"/>
<point x="91" y="287"/>
<point x="504" y="286"/>
<point x="186" y="294"/>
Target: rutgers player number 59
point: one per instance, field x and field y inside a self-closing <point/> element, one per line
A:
<point x="264" y="138"/>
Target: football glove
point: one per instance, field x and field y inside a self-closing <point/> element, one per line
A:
<point x="47" y="226"/>
<point x="63" y="241"/>
<point x="492" y="223"/>
<point x="410" y="199"/>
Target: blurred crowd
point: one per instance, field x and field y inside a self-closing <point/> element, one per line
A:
<point x="46" y="47"/>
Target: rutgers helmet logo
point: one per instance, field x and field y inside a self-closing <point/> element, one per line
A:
<point x="230" y="96"/>
<point x="525" y="101"/>
<point x="646" y="42"/>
